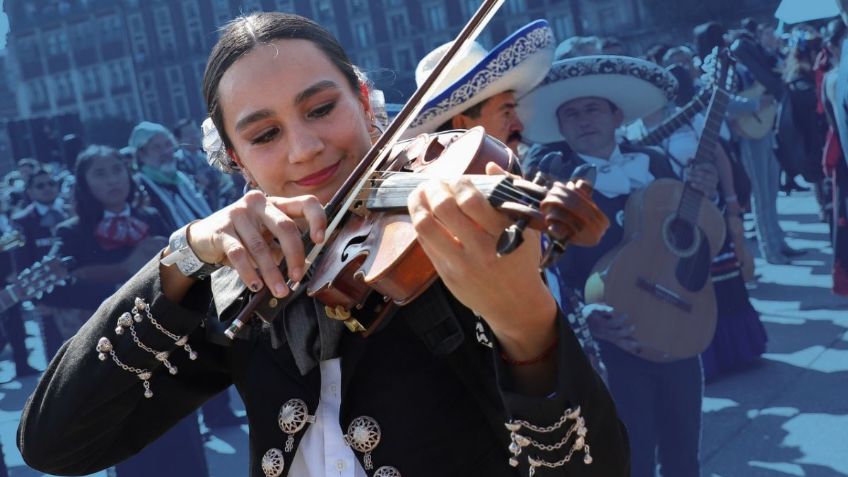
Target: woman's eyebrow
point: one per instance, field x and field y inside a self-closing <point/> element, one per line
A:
<point x="252" y="118"/>
<point x="301" y="97"/>
<point x="314" y="89"/>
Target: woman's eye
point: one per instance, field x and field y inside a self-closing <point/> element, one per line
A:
<point x="265" y="136"/>
<point x="322" y="110"/>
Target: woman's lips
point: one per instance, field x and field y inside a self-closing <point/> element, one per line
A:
<point x="319" y="177"/>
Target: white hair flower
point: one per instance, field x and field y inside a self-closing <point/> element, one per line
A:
<point x="213" y="146"/>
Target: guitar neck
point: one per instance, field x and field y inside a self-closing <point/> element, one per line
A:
<point x="676" y="121"/>
<point x="690" y="202"/>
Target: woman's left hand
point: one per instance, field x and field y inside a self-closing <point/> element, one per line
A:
<point x="458" y="229"/>
<point x="704" y="178"/>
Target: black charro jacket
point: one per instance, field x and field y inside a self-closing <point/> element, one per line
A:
<point x="441" y="413"/>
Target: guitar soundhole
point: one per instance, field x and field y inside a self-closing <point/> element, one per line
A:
<point x="680" y="236"/>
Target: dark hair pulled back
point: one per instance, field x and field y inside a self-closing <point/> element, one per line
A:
<point x="89" y="208"/>
<point x="244" y="33"/>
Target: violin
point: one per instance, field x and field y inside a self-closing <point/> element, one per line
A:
<point x="371" y="245"/>
<point x="375" y="249"/>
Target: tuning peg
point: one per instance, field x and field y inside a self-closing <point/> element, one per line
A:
<point x="62" y="282"/>
<point x="37" y="265"/>
<point x="39" y="295"/>
<point x="50" y="288"/>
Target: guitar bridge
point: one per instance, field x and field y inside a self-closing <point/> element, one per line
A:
<point x="664" y="294"/>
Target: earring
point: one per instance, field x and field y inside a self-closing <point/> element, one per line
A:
<point x="374" y="129"/>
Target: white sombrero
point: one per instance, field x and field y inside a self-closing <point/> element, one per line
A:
<point x="516" y="64"/>
<point x="637" y="87"/>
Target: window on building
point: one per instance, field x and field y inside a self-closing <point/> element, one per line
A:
<point x="147" y="84"/>
<point x="324" y="9"/>
<point x="90" y="81"/>
<point x="164" y="28"/>
<point x="470" y="6"/>
<point x="607" y="19"/>
<point x="561" y="24"/>
<point x="362" y="33"/>
<point x="403" y="59"/>
<point x="194" y="27"/>
<point x="436" y="16"/>
<point x="516" y="6"/>
<point x="249" y="6"/>
<point x="222" y="12"/>
<point x="117" y="75"/>
<point x="138" y="37"/>
<point x="284" y="6"/>
<point x="37" y="92"/>
<point x="57" y="42"/>
<point x="64" y="87"/>
<point x="126" y="107"/>
<point x="177" y="87"/>
<point x="367" y="62"/>
<point x="110" y="28"/>
<point x="398" y="25"/>
<point x="358" y="6"/>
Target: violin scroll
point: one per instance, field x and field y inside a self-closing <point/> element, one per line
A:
<point x="565" y="213"/>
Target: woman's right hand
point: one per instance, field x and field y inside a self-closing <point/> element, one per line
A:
<point x="255" y="233"/>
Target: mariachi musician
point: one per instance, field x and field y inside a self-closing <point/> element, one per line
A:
<point x="576" y="110"/>
<point x="422" y="396"/>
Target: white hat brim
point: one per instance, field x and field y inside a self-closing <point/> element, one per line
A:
<point x="637" y="87"/>
<point x="516" y="64"/>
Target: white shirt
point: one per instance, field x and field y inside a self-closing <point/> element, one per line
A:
<point x="322" y="451"/>
<point x="620" y="174"/>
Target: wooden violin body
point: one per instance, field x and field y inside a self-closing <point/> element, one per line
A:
<point x="377" y="248"/>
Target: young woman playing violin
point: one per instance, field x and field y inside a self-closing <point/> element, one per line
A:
<point x="438" y="390"/>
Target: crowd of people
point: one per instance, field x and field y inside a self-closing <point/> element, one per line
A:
<point x="568" y="382"/>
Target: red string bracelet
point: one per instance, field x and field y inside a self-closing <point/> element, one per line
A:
<point x="538" y="359"/>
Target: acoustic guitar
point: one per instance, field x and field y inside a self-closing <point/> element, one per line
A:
<point x="660" y="273"/>
<point x="755" y="125"/>
<point x="679" y="119"/>
<point x="11" y="240"/>
<point x="35" y="281"/>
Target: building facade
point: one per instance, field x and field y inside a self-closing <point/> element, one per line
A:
<point x="144" y="59"/>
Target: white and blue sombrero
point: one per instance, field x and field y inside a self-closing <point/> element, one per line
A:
<point x="636" y="86"/>
<point x="516" y="64"/>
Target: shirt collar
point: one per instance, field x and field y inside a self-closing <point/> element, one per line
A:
<point x="124" y="213"/>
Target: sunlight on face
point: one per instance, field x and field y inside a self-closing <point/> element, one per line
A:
<point x="296" y="125"/>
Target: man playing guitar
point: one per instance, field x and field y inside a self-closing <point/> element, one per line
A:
<point x="576" y="110"/>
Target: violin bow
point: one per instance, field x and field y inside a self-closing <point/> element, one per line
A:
<point x="344" y="198"/>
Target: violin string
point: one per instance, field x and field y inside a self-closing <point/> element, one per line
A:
<point x="517" y="194"/>
<point x="403" y="192"/>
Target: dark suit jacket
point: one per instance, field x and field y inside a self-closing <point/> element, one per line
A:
<point x="39" y="239"/>
<point x="440" y="414"/>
